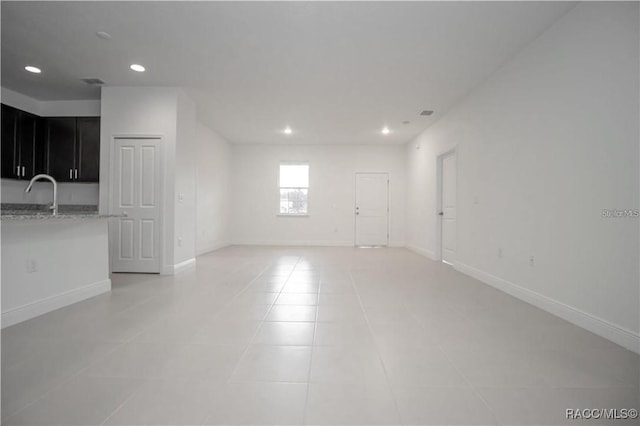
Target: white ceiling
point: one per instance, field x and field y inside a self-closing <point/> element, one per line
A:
<point x="336" y="72"/>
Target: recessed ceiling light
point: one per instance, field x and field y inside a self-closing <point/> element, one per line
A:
<point x="426" y="112"/>
<point x="385" y="130"/>
<point x="33" y="69"/>
<point x="104" y="35"/>
<point x="406" y="122"/>
<point x="287" y="130"/>
<point x="136" y="67"/>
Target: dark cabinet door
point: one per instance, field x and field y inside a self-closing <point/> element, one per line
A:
<point x="26" y="145"/>
<point x="61" y="148"/>
<point x="23" y="153"/>
<point x="9" y="162"/>
<point x="88" y="159"/>
<point x="40" y="147"/>
<point x="67" y="148"/>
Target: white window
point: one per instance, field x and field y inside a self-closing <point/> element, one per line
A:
<point x="294" y="188"/>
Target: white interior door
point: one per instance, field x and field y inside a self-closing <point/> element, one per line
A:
<point x="448" y="203"/>
<point x="135" y="239"/>
<point x="372" y="209"/>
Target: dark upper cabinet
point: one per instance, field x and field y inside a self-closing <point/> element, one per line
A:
<point x="26" y="146"/>
<point x="74" y="148"/>
<point x="88" y="143"/>
<point x="9" y="142"/>
<point x="61" y="148"/>
<point x="33" y="153"/>
<point x="23" y="151"/>
<point x="67" y="148"/>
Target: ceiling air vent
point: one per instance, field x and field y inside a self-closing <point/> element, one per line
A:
<point x="92" y="81"/>
<point x="426" y="112"/>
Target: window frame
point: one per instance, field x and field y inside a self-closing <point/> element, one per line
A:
<point x="280" y="187"/>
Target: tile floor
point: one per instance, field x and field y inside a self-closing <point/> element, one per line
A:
<point x="264" y="335"/>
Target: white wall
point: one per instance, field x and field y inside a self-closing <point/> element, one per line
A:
<point x="142" y="111"/>
<point x="68" y="193"/>
<point x="213" y="190"/>
<point x="332" y="168"/>
<point x="169" y="113"/>
<point x="73" y="108"/>
<point x="544" y="146"/>
<point x="20" y="101"/>
<point x="48" y="264"/>
<point x="185" y="206"/>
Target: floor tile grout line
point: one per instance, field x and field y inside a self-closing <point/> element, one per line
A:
<point x="159" y="318"/>
<point x="83" y="369"/>
<point x="63" y="382"/>
<point x="313" y="346"/>
<point x="121" y="343"/>
<point x="226" y="305"/>
<point x="363" y="269"/>
<point x="384" y="367"/>
<point x="471" y="385"/>
<point x="119" y="407"/>
<point x="255" y="334"/>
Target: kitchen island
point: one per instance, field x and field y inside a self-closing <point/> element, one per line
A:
<point x="48" y="261"/>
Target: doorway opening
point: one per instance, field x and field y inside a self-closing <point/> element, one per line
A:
<point x="447" y="207"/>
<point x="136" y="199"/>
<point x="372" y="209"/>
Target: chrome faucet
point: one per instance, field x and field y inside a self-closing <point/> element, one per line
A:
<point x="54" y="205"/>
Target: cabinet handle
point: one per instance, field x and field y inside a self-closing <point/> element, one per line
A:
<point x="76" y="173"/>
<point x="23" y="171"/>
<point x="70" y="173"/>
<point x="18" y="171"/>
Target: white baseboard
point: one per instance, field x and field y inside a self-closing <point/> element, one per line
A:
<point x="179" y="267"/>
<point x="424" y="252"/>
<point x="613" y="332"/>
<point x="295" y="243"/>
<point x="43" y="306"/>
<point x="183" y="266"/>
<point x="209" y="249"/>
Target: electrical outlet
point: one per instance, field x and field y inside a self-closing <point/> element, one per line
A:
<point x="181" y="198"/>
<point x="179" y="241"/>
<point x="32" y="266"/>
<point x="499" y="253"/>
<point x="532" y="261"/>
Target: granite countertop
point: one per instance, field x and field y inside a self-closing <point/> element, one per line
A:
<point x="42" y="212"/>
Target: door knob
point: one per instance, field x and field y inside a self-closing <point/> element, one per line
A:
<point x="441" y="214"/>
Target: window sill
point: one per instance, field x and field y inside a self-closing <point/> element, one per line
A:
<point x="291" y="215"/>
